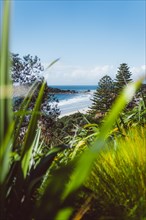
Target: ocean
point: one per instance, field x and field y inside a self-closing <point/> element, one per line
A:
<point x="69" y="103"/>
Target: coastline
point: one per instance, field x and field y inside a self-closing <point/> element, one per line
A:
<point x="83" y="111"/>
<point x="69" y="103"/>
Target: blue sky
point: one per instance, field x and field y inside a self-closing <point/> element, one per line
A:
<point x="92" y="38"/>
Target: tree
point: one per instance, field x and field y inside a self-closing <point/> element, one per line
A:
<point x="123" y="77"/>
<point x="25" y="70"/>
<point x="103" y="96"/>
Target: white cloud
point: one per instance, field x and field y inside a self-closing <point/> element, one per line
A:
<point x="138" y="71"/>
<point x="61" y="74"/>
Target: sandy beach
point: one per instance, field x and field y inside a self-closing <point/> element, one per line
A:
<point x="84" y="111"/>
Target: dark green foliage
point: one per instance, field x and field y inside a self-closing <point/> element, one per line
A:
<point x="104" y="96"/>
<point x="26" y="70"/>
<point x="22" y="191"/>
<point x="142" y="93"/>
<point x="63" y="129"/>
<point x="123" y="77"/>
<point x="70" y="126"/>
<point x="48" y="114"/>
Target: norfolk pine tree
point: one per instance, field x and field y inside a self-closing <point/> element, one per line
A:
<point x="123" y="77"/>
<point x="103" y="96"/>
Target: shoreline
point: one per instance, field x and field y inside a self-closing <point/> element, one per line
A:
<point x="83" y="111"/>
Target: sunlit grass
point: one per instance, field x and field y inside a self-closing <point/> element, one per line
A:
<point x="118" y="177"/>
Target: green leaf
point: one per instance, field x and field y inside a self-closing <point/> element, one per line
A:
<point x="64" y="214"/>
<point x="43" y="166"/>
<point x="5" y="93"/>
<point x="45" y="162"/>
<point x="28" y="155"/>
<point x="51" y="64"/>
<point x="5" y="153"/>
<point x="19" y="116"/>
<point x="30" y="135"/>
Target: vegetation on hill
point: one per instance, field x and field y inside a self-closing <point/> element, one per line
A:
<point x="100" y="173"/>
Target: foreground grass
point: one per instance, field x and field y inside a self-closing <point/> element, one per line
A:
<point x="118" y="179"/>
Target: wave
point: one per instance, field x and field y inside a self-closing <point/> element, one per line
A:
<point x="78" y="99"/>
<point x="69" y="103"/>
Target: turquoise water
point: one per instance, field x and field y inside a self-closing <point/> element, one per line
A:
<point x="76" y="87"/>
<point x="69" y="103"/>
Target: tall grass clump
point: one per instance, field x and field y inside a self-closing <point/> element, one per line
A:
<point x="118" y="179"/>
<point x="25" y="171"/>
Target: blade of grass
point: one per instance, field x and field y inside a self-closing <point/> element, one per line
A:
<point x="5" y="84"/>
<point x="24" y="106"/>
<point x="43" y="165"/>
<point x="51" y="64"/>
<point x="5" y="88"/>
<point x="5" y="102"/>
<point x="28" y="155"/>
<point x="5" y="153"/>
<point x="33" y="122"/>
